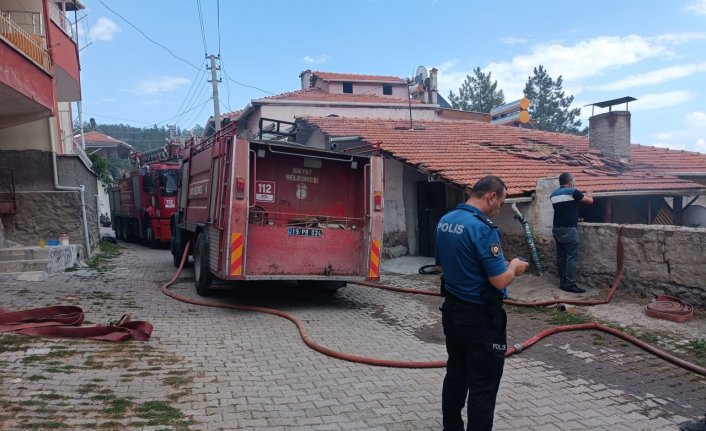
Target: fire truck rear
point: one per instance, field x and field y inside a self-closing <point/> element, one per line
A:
<point x="273" y="210"/>
<point x="144" y="200"/>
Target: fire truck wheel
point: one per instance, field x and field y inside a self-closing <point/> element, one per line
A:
<point x="127" y="231"/>
<point x="177" y="254"/>
<point x="150" y="236"/>
<point x="202" y="273"/>
<point x="118" y="229"/>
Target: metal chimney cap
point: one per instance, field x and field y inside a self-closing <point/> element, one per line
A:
<point x="608" y="103"/>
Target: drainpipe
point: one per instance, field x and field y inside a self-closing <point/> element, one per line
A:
<point x="80" y="121"/>
<point x="81" y="189"/>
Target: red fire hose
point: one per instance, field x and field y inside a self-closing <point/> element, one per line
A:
<point x="302" y="330"/>
<point x="517" y="348"/>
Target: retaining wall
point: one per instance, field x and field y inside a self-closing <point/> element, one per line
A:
<point x="658" y="259"/>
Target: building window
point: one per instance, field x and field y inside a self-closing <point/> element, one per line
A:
<point x="387" y="89"/>
<point x="348" y="87"/>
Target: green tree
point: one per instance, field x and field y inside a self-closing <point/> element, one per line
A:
<point x="197" y="130"/>
<point x="550" y="108"/>
<point x="117" y="167"/>
<point x="477" y="93"/>
<point x="100" y="167"/>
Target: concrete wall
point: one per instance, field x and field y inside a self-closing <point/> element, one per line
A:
<point x="32" y="169"/>
<point x="394" y="222"/>
<point x="398" y="91"/>
<point x="291" y="112"/>
<point x="658" y="259"/>
<point x="28" y="136"/>
<point x="44" y="213"/>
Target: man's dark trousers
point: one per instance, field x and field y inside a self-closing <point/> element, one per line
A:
<point x="474" y="367"/>
<point x="567" y="253"/>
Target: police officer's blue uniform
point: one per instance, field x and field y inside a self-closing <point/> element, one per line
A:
<point x="468" y="250"/>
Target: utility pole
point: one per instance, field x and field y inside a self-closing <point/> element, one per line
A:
<point x="214" y="82"/>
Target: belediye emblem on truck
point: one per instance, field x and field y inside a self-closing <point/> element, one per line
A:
<point x="301" y="191"/>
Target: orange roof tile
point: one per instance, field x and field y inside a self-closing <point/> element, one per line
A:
<point x="318" y="95"/>
<point x="332" y="76"/>
<point x="98" y="139"/>
<point x="465" y="151"/>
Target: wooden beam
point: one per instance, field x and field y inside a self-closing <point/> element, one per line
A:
<point x="678" y="211"/>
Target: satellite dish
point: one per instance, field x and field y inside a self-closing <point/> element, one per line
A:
<point x="421" y="75"/>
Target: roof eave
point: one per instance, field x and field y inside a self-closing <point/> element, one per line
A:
<point x="338" y="103"/>
<point x="659" y="192"/>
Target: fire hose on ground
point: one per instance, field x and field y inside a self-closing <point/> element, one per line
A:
<point x="517" y="348"/>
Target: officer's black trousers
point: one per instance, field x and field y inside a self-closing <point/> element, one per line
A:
<point x="476" y="349"/>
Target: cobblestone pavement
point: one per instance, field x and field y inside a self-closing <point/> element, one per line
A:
<point x="216" y="369"/>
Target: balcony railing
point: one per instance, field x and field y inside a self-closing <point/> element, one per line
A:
<point x="61" y="20"/>
<point x="32" y="45"/>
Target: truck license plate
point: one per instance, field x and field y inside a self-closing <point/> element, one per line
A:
<point x="298" y="231"/>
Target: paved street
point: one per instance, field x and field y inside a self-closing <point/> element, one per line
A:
<point x="217" y="369"/>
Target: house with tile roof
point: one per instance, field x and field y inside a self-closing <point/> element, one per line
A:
<point x="351" y="96"/>
<point x="432" y="163"/>
<point x="105" y="146"/>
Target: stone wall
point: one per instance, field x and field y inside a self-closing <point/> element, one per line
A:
<point x="44" y="216"/>
<point x="658" y="259"/>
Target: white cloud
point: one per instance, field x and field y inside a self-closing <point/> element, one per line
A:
<point x="698" y="7"/>
<point x="510" y="40"/>
<point x="311" y="60"/>
<point x="661" y="100"/>
<point x="584" y="59"/>
<point x="701" y="145"/>
<point x="158" y="85"/>
<point x="654" y="77"/>
<point x="104" y="29"/>
<point x="696" y="120"/>
<point x="691" y="137"/>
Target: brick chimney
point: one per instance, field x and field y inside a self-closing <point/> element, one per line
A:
<point x="433" y="87"/>
<point x="610" y="132"/>
<point x="306" y="79"/>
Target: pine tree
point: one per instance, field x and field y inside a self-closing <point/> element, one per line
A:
<point x="477" y="93"/>
<point x="549" y="106"/>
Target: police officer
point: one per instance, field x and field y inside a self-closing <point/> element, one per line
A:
<point x="469" y="253"/>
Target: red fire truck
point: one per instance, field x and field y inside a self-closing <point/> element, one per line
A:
<point x="275" y="210"/>
<point x="145" y="199"/>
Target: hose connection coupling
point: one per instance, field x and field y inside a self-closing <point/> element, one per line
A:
<point x="518" y="347"/>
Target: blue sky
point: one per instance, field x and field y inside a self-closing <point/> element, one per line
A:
<point x="652" y="50"/>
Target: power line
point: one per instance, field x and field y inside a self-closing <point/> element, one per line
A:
<point x="192" y="101"/>
<point x="223" y="69"/>
<point x="148" y="38"/>
<point x="203" y="105"/>
<point x="193" y="83"/>
<point x="203" y="31"/>
<point x="246" y="85"/>
<point x="218" y="13"/>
